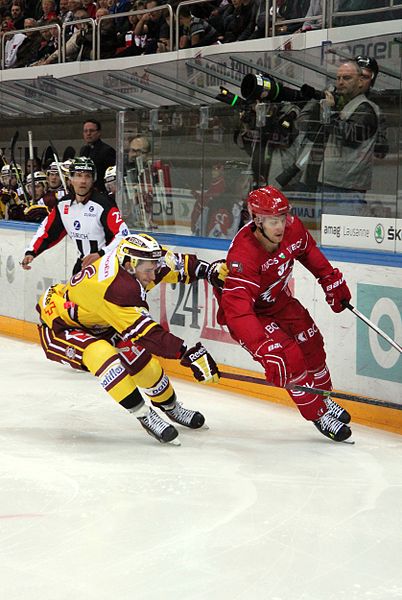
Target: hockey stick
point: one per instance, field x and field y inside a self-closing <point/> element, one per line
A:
<point x="31" y="158"/>
<point x="56" y="160"/>
<point x="372" y="325"/>
<point x="12" y="162"/>
<point x="302" y="388"/>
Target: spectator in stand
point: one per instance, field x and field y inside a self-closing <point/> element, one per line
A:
<point x="239" y="20"/>
<point x="65" y="15"/>
<point x="4" y="10"/>
<point x="102" y="154"/>
<point x="12" y="44"/>
<point x="108" y="35"/>
<point x="28" y="50"/>
<point x="49" y="43"/>
<point x="17" y="15"/>
<point x="120" y="6"/>
<point x="90" y="7"/>
<point x="153" y="25"/>
<point x="314" y="10"/>
<point x="128" y="44"/>
<point x="78" y="47"/>
<point x="49" y="13"/>
<point x="196" y="31"/>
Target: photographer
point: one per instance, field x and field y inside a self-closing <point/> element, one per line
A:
<point x="270" y="144"/>
<point x="351" y="126"/>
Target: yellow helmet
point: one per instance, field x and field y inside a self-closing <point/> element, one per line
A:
<point x="140" y="246"/>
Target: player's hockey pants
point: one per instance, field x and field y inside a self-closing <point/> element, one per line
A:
<point x="302" y="352"/>
<point x="117" y="376"/>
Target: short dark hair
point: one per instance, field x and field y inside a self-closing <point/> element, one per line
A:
<point x="95" y="122"/>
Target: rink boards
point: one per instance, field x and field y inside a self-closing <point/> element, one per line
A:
<point x="361" y="363"/>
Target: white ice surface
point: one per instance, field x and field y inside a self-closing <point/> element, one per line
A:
<point x="258" y="507"/>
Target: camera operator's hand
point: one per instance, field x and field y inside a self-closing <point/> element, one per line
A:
<point x="329" y="99"/>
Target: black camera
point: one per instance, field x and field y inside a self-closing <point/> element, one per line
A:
<point x="231" y="99"/>
<point x="266" y="89"/>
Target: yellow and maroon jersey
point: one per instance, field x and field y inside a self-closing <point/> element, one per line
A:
<point x="105" y="296"/>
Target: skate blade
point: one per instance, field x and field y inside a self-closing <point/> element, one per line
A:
<point x="348" y="441"/>
<point x="174" y="442"/>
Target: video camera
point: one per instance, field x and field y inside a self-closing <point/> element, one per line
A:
<point x="265" y="88"/>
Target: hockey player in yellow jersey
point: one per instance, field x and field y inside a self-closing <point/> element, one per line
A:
<point x="99" y="322"/>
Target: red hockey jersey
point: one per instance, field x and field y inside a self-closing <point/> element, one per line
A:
<point x="258" y="280"/>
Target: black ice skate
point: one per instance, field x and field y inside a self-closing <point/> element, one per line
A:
<point x="184" y="416"/>
<point x="157" y="427"/>
<point x="332" y="428"/>
<point x="337" y="411"/>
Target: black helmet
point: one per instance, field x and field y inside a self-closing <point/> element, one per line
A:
<point x="365" y="62"/>
<point x="82" y="164"/>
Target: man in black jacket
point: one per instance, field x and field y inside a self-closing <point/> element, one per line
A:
<point x="102" y="154"/>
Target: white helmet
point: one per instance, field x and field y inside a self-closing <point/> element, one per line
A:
<point x="8" y="171"/>
<point x="52" y="169"/>
<point x="138" y="247"/>
<point x="39" y="177"/>
<point x="110" y="174"/>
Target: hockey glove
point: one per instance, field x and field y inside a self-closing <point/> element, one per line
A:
<point x="216" y="273"/>
<point x="201" y="363"/>
<point x="335" y="289"/>
<point x="271" y="356"/>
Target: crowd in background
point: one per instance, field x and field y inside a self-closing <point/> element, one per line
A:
<point x="215" y="22"/>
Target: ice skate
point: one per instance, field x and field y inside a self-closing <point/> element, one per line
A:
<point x="184" y="416"/>
<point x="337" y="411"/>
<point x="158" y="428"/>
<point x="332" y="428"/>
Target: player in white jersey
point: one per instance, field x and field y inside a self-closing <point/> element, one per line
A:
<point x="85" y="215"/>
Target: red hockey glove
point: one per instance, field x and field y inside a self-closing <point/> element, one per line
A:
<point x="271" y="356"/>
<point x="201" y="363"/>
<point x="216" y="273"/>
<point x="335" y="289"/>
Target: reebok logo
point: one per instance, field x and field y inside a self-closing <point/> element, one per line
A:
<point x="193" y="357"/>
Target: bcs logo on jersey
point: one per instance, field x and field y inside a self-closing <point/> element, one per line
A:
<point x="77" y="225"/>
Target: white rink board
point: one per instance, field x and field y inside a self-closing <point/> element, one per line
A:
<point x="367" y="367"/>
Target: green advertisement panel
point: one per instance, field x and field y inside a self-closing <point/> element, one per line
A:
<point x="375" y="357"/>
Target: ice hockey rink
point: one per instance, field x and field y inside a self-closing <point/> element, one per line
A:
<point x="258" y="507"/>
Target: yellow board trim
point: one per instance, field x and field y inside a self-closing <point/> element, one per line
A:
<point x="381" y="417"/>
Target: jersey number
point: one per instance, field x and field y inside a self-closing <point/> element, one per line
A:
<point x="89" y="272"/>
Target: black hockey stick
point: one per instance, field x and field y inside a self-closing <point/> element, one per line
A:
<point x="372" y="325"/>
<point x="57" y="161"/>
<point x="312" y="390"/>
<point x="12" y="162"/>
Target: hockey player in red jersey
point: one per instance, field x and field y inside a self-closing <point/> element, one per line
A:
<point x="261" y="314"/>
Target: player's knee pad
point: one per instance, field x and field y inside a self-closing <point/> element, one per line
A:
<point x="103" y="361"/>
<point x="155" y="383"/>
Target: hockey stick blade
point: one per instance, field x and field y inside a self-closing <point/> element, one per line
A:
<point x="300" y="388"/>
<point x="372" y="325"/>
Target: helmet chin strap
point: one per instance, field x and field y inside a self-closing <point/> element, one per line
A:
<point x="261" y="230"/>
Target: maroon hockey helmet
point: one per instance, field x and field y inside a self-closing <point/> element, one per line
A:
<point x="268" y="201"/>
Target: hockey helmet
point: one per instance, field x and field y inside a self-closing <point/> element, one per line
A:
<point x="267" y="201"/>
<point x="138" y="247"/>
<point x="39" y="177"/>
<point x="8" y="171"/>
<point x="365" y="62"/>
<point x="52" y="169"/>
<point x="65" y="167"/>
<point x="110" y="174"/>
<point x="82" y="164"/>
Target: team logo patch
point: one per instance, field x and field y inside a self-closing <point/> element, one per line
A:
<point x="77" y="225"/>
<point x="70" y="353"/>
<point x="236" y="267"/>
<point x="91" y="209"/>
<point x="66" y="207"/>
